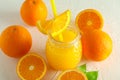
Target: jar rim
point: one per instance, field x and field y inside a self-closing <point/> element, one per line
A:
<point x="70" y="42"/>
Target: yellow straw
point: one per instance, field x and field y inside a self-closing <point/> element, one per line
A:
<point x="55" y="14"/>
<point x="54" y="8"/>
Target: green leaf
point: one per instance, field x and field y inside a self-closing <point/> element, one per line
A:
<point x="82" y="68"/>
<point x="92" y="75"/>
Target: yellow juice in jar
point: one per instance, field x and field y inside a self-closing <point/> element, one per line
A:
<point x="65" y="54"/>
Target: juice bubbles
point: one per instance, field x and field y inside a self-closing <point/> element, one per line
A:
<point x="65" y="54"/>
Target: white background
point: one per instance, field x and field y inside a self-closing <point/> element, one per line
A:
<point x="109" y="69"/>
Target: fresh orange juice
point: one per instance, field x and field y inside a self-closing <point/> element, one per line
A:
<point x="65" y="54"/>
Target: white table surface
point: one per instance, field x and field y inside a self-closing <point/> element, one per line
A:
<point x="109" y="69"/>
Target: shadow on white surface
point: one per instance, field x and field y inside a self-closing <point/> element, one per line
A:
<point x="7" y="67"/>
<point x="10" y="17"/>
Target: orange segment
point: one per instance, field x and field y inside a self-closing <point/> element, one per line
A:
<point x="60" y="23"/>
<point x="31" y="67"/>
<point x="72" y="75"/>
<point x="89" y="19"/>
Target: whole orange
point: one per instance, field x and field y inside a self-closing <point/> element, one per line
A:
<point x="96" y="44"/>
<point x="33" y="10"/>
<point x="16" y="41"/>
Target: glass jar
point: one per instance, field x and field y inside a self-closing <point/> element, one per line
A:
<point x="66" y="54"/>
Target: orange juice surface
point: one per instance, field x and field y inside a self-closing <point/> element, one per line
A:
<point x="65" y="54"/>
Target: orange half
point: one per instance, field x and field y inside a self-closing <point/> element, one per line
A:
<point x="89" y="19"/>
<point x="72" y="75"/>
<point x="31" y="67"/>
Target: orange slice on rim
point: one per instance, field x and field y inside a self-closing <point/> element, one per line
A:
<point x="89" y="19"/>
<point x="72" y="75"/>
<point x="56" y="25"/>
<point x="31" y="67"/>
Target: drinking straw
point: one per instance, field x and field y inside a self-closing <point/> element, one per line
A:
<point x="55" y="14"/>
<point x="54" y="8"/>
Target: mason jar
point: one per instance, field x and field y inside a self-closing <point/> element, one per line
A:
<point x="64" y="54"/>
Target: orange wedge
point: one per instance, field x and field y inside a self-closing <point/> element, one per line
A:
<point x="89" y="19"/>
<point x="45" y="27"/>
<point x="31" y="67"/>
<point x="72" y="75"/>
<point x="56" y="25"/>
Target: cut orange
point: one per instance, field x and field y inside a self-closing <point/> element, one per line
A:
<point x="31" y="67"/>
<point x="56" y="25"/>
<point x="89" y="19"/>
<point x="72" y="75"/>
